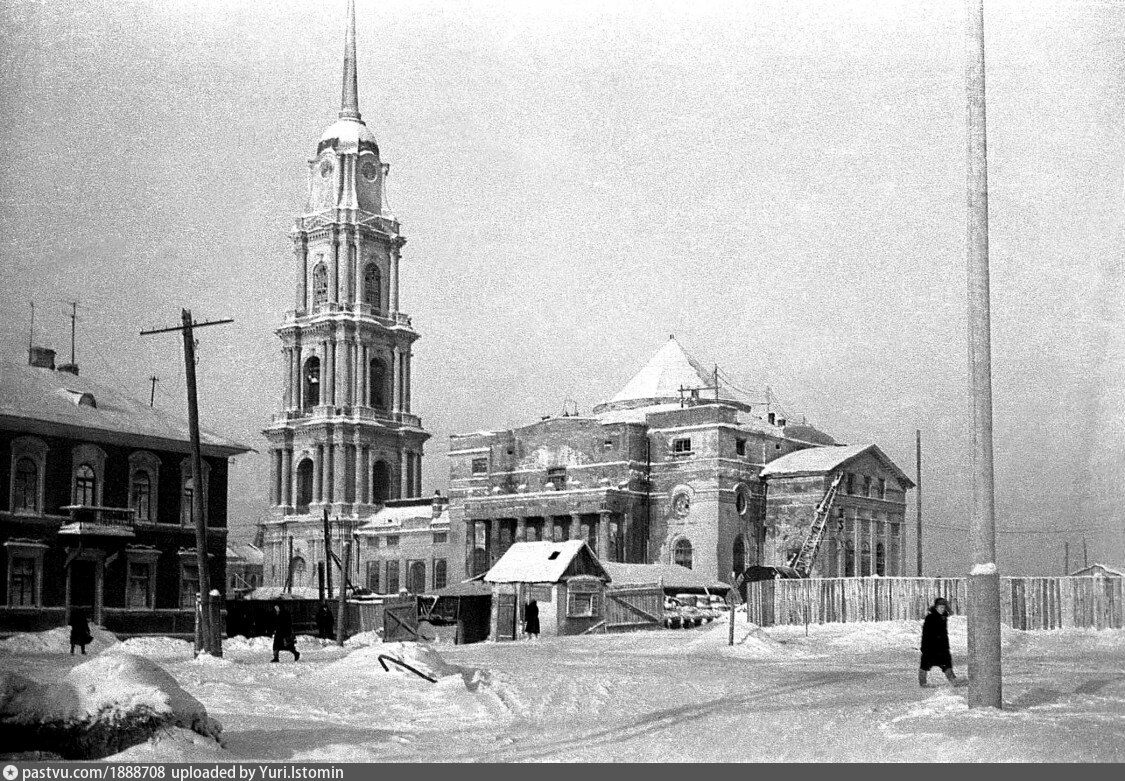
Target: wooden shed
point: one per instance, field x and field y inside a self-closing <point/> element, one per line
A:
<point x="564" y="578"/>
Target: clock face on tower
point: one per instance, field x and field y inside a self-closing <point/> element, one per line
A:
<point x="370" y="171"/>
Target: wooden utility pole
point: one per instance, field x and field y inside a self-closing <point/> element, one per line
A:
<point x="984" y="577"/>
<point x="210" y="634"/>
<point x="73" y="328"/>
<point x="342" y="605"/>
<point x="328" y="556"/>
<point x="1085" y="558"/>
<point x="918" y="492"/>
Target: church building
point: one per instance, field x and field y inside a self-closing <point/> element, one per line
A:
<point x="345" y="442"/>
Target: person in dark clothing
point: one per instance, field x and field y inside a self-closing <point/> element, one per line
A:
<point x="79" y="631"/>
<point x="283" y="634"/>
<point x="324" y="622"/>
<point x="935" y="643"/>
<point x="531" y="619"/>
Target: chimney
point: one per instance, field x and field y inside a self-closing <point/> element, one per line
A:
<point x="438" y="504"/>
<point x="41" y="358"/>
<point x="69" y="368"/>
<point x="781" y="422"/>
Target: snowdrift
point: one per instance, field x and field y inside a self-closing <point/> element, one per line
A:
<point x="107" y="704"/>
<point x="56" y="641"/>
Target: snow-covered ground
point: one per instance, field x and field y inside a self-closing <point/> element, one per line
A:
<point x="845" y="692"/>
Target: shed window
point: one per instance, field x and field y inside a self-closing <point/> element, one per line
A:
<point x="583" y="599"/>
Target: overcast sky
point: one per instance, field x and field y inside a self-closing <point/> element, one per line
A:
<point x="780" y="185"/>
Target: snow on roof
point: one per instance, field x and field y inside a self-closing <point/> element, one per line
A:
<point x="673" y="576"/>
<point x="669" y="370"/>
<point x="39" y="394"/>
<point x="397" y="516"/>
<point x="636" y="414"/>
<point x="821" y="460"/>
<point x="251" y="554"/>
<point x="1098" y="569"/>
<point x="537" y="562"/>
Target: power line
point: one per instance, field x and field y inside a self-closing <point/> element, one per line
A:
<point x="1088" y="530"/>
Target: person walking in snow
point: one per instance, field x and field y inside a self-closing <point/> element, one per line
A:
<point x="79" y="631"/>
<point x="935" y="643"/>
<point x="283" y="634"/>
<point x="531" y="619"/>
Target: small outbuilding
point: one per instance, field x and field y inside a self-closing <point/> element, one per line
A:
<point x="564" y="578"/>
<point x="1098" y="571"/>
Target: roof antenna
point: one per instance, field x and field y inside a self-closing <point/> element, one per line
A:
<point x="73" y="321"/>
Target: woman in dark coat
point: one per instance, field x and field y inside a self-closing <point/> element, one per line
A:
<point x="283" y="634"/>
<point x="935" y="643"/>
<point x="324" y="622"/>
<point x="79" y="631"/>
<point x="531" y="619"/>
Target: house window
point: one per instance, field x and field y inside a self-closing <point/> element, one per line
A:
<point x="865" y="559"/>
<point x="681" y="445"/>
<point x="849" y="484"/>
<point x="373" y="576"/>
<point x="189" y="585"/>
<point x="391" y="540"/>
<point x="583" y="598"/>
<point x="866" y="485"/>
<point x="320" y="284"/>
<point x="608" y="445"/>
<point x="25" y="493"/>
<point x="187" y="492"/>
<point x="740" y="446"/>
<point x="371" y="286"/>
<point x="85" y="485"/>
<point x="416" y="577"/>
<point x="441" y="538"/>
<point x="849" y="559"/>
<point x="556" y="475"/>
<point x="882" y="488"/>
<point x="140" y="497"/>
<point x="392" y="577"/>
<point x="187" y="504"/>
<point x="22" y="581"/>
<point x="439" y="574"/>
<point x="681" y="553"/>
<point x="139" y="593"/>
<point x="480" y="466"/>
<point x="880" y="559"/>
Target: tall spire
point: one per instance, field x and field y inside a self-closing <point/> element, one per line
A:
<point x="349" y="101"/>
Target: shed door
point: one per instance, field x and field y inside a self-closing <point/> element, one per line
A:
<point x="506" y="617"/>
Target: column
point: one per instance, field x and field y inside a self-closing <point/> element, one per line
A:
<point x="417" y="474"/>
<point x="334" y="267"/>
<point x="340" y="347"/>
<point x="493" y="540"/>
<point x="298" y="387"/>
<point x="402" y="475"/>
<point x="275" y="474"/>
<point x="363" y="477"/>
<point x="394" y="255"/>
<point x="358" y="270"/>
<point x="350" y="286"/>
<point x="575" y="530"/>
<point x="349" y="372"/>
<point x="318" y="482"/>
<point x="396" y="402"/>
<point x="301" y="250"/>
<point x="521" y="529"/>
<point x="361" y="375"/>
<point x="406" y="382"/>
<point x="603" y="536"/>
<point x="470" y="547"/>
<point x="339" y="472"/>
<point x="327" y="369"/>
<point x="287" y="378"/>
<point x="287" y="477"/>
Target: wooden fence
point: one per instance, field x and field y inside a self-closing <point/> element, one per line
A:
<point x="1025" y="603"/>
<point x="634" y="607"/>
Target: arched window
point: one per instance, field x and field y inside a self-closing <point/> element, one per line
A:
<point x="849" y="559"/>
<point x="187" y="503"/>
<point x="371" y="286"/>
<point x="439" y="573"/>
<point x="480" y="561"/>
<point x="380" y="482"/>
<point x="378" y="384"/>
<point x="304" y="485"/>
<point x="320" y="284"/>
<point x="25" y="494"/>
<point x="312" y="382"/>
<point x="865" y="559"/>
<point x="140" y="498"/>
<point x="880" y="560"/>
<point x="297" y="571"/>
<point x="681" y="553"/>
<point x="85" y="486"/>
<point x="738" y="558"/>
<point x="416" y="577"/>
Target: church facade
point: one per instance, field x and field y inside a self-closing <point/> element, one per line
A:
<point x="345" y="443"/>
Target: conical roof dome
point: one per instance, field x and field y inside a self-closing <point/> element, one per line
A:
<point x="662" y="378"/>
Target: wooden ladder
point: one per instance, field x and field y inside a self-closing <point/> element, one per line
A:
<point x="802" y="560"/>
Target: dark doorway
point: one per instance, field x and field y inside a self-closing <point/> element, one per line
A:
<point x="83" y="583"/>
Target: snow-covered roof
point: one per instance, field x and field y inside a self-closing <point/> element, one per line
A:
<point x="540" y="562"/>
<point x="673" y="576"/>
<point x="1098" y="569"/>
<point x="666" y="373"/>
<point x="246" y="552"/>
<point x="821" y="460"/>
<point x="31" y="394"/>
<point x="396" y="516"/>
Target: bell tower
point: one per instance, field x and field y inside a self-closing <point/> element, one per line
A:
<point x="345" y="439"/>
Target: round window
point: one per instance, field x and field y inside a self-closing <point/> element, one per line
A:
<point x="681" y="505"/>
<point x="740" y="502"/>
<point x="370" y="171"/>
